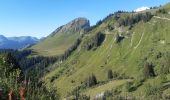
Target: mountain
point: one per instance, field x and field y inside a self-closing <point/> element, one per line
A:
<point x="131" y="48"/>
<point x="3" y="38"/>
<point x="17" y="42"/>
<point x="62" y="38"/>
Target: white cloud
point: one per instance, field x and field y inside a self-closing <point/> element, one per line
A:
<point x="141" y="9"/>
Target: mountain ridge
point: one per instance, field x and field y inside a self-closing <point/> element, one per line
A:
<point x="76" y="24"/>
<point x="17" y="42"/>
<point x="129" y="42"/>
<point x="61" y="38"/>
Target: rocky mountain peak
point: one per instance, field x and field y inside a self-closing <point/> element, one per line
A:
<point x="73" y="26"/>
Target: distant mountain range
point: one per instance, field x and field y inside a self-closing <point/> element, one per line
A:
<point x="17" y="42"/>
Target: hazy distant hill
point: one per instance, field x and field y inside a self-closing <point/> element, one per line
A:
<point x="17" y="42"/>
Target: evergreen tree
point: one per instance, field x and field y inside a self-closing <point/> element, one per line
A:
<point x="91" y="81"/>
<point x="110" y="74"/>
<point x="148" y="70"/>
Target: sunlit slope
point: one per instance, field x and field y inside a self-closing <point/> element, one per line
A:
<point x="61" y="39"/>
<point x="144" y="42"/>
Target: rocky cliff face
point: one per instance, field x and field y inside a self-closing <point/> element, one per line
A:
<point x="73" y="26"/>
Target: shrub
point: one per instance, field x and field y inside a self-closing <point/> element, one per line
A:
<point x="148" y="70"/>
<point x="115" y="75"/>
<point x="91" y="81"/>
<point x="53" y="78"/>
<point x="110" y="74"/>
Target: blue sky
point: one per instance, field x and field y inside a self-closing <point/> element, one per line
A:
<point x="40" y="17"/>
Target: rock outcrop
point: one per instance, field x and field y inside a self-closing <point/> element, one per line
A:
<point x="73" y="26"/>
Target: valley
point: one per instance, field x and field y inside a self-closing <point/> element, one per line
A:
<point x="125" y="56"/>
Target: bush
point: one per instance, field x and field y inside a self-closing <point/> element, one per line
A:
<point x="148" y="70"/>
<point x="91" y="81"/>
<point x="115" y="75"/>
<point x="110" y="74"/>
<point x="53" y="78"/>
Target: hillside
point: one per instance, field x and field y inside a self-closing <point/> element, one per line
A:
<point x="126" y="47"/>
<point x="62" y="38"/>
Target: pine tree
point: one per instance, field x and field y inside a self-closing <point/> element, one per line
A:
<point x="110" y="74"/>
<point x="91" y="81"/>
<point x="148" y="70"/>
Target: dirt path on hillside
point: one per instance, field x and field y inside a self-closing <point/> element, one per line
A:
<point x="111" y="46"/>
<point x="139" y="41"/>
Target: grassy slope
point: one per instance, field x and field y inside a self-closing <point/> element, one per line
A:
<point x="55" y="45"/>
<point x="122" y="58"/>
<point x="99" y="89"/>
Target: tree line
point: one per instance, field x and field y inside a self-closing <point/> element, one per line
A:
<point x="133" y="19"/>
<point x="93" y="41"/>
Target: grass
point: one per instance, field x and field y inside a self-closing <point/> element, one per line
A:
<point x="55" y="45"/>
<point x="92" y="92"/>
<point x="120" y="57"/>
